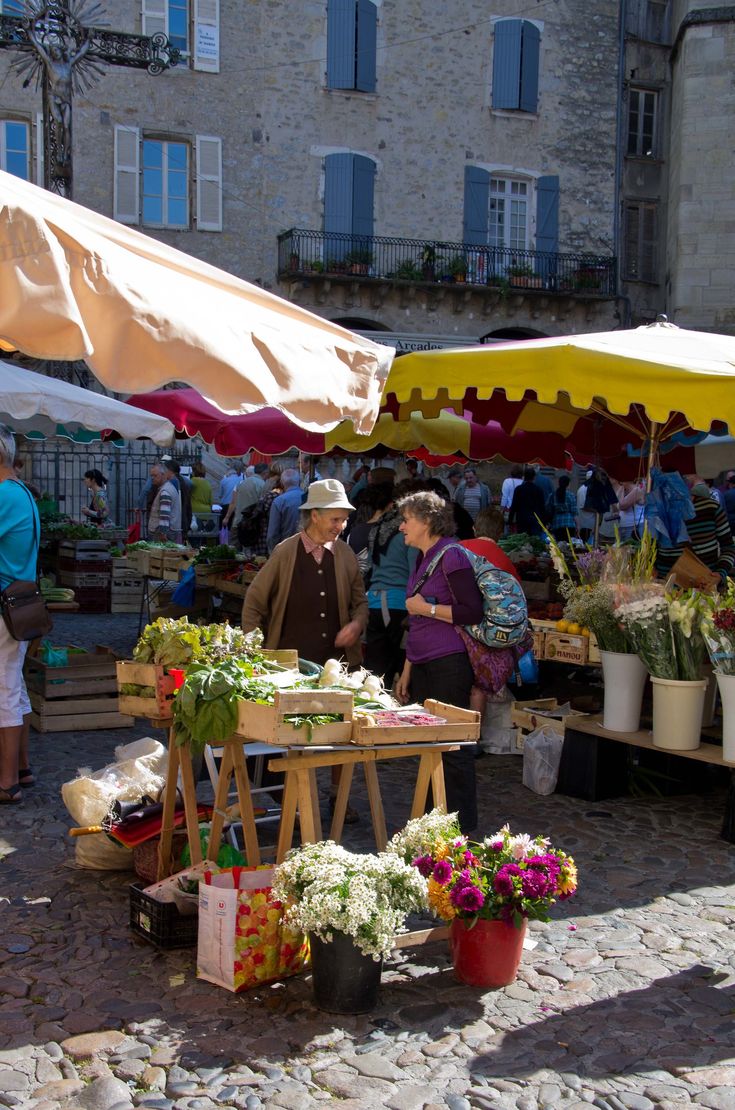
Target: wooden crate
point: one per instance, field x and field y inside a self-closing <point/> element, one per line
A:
<point x="84" y="549"/>
<point x="145" y="674"/>
<point x="530" y="715"/>
<point x="285" y="657"/>
<point x="208" y="573"/>
<point x="84" y="581"/>
<point x="167" y="564"/>
<point x="83" y="713"/>
<point x="593" y="650"/>
<point x="266" y="724"/>
<point x="235" y="589"/>
<point x="536" y="591"/>
<point x="461" y="724"/>
<point x="125" y="604"/>
<point x="86" y="673"/>
<point x="563" y="648"/>
<point x="139" y="561"/>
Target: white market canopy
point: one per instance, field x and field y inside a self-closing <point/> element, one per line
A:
<point x="31" y="402"/>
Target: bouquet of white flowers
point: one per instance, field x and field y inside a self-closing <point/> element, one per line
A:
<point x="665" y="628"/>
<point x="366" y="897"/>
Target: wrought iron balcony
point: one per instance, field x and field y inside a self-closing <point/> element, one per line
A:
<point x="312" y="255"/>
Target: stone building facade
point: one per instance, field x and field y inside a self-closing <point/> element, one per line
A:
<point x="678" y="189"/>
<point x="402" y="140"/>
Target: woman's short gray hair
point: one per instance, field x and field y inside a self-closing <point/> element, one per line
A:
<point x="432" y="510"/>
<point x="7" y="446"/>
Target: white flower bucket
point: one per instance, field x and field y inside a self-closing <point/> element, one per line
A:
<point x="726" y="683"/>
<point x="710" y="697"/>
<point x="677" y="713"/>
<point x="625" y="678"/>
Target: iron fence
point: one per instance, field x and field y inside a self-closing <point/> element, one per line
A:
<point x="58" y="471"/>
<point x="310" y="254"/>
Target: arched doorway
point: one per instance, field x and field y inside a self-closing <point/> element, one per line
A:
<point x="512" y="333"/>
<point x="359" y="324"/>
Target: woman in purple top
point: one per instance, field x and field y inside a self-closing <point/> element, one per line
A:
<point x="437" y="665"/>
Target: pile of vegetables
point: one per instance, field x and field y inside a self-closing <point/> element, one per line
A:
<point x="523" y="544"/>
<point x="216" y="553"/>
<point x="146" y="545"/>
<point x="52" y="592"/>
<point x="64" y="529"/>
<point x="176" y="643"/>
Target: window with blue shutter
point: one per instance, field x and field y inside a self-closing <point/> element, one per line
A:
<point x="476" y="191"/>
<point x="516" y="50"/>
<point x="351" y="44"/>
<point x="349" y="192"/>
<point x="15" y="150"/>
<point x="547" y="224"/>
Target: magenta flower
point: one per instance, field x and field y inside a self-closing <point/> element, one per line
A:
<point x="470" y="859"/>
<point x="469" y="899"/>
<point x="424" y="865"/>
<point x="497" y="845"/>
<point x="535" y="885"/>
<point x="503" y="881"/>
<point x="442" y="872"/>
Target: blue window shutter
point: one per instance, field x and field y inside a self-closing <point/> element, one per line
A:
<point x="363" y="194"/>
<point x="341" y="31"/>
<point x="476" y="191"/>
<point x="547" y="214"/>
<point x="530" y="45"/>
<point x="338" y="179"/>
<point x="507" y="63"/>
<point x="367" y="33"/>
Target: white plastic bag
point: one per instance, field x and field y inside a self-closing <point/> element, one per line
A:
<point x="541" y="758"/>
<point x="139" y="768"/>
<point x="497" y="736"/>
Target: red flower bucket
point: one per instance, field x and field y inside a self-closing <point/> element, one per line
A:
<point x="486" y="954"/>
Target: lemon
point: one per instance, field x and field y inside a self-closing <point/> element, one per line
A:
<point x="562" y="626"/>
<point x="573" y="629"/>
<point x="586" y="632"/>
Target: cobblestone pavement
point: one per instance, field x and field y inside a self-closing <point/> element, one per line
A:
<point x="625" y="1002"/>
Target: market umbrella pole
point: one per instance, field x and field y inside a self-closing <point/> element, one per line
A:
<point x="653" y="445"/>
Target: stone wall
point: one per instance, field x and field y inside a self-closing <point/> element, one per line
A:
<point x="430" y="116"/>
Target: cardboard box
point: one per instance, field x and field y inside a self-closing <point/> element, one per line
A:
<point x="563" y="648"/>
<point x="530" y="715"/>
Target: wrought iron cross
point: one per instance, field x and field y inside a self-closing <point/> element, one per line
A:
<point x="62" y="51"/>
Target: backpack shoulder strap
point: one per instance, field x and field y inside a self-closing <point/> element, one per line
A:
<point x="435" y="563"/>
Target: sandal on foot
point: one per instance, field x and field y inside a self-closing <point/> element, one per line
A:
<point x="25" y="777"/>
<point x="10" y="795"/>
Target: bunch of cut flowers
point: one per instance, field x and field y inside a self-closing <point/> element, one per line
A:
<point x="367" y="897"/>
<point x="588" y="581"/>
<point x="504" y="877"/>
<point x="718" y="630"/>
<point x="665" y="627"/>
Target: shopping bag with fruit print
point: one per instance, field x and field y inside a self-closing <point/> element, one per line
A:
<point x="243" y="941"/>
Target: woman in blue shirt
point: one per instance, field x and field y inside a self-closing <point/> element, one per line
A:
<point x="19" y="536"/>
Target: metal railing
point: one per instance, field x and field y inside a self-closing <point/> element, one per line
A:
<point x="318" y="253"/>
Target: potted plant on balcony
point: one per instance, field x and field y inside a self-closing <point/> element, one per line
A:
<point x="587" y="279"/>
<point x="317" y="266"/>
<point x="335" y="265"/>
<point x="358" y="261"/>
<point x="520" y="273"/>
<point x="457" y="267"/>
<point x="407" y="270"/>
<point x="428" y="262"/>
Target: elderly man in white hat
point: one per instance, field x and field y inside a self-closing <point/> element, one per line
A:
<point x="310" y="593"/>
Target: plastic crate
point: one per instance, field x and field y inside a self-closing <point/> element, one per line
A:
<point x="160" y="922"/>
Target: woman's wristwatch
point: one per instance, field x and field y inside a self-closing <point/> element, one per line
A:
<point x="432" y="611"/>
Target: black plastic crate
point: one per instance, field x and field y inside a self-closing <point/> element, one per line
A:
<point x="160" y="922"/>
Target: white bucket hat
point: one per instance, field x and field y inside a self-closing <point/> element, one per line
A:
<point x="328" y="494"/>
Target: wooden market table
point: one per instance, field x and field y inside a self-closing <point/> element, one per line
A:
<point x="300" y="793"/>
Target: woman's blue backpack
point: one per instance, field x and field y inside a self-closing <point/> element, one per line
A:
<point x="505" y="618"/>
